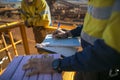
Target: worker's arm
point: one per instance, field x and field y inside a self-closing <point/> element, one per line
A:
<point x="23" y="12"/>
<point x="103" y="54"/>
<point x="77" y="31"/>
<point x="42" y="15"/>
<point x="25" y="15"/>
<point x="60" y="33"/>
<point x="92" y="58"/>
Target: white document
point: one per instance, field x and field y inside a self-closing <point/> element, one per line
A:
<point x="71" y="42"/>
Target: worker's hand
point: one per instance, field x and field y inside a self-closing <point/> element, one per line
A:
<point x="39" y="65"/>
<point x="27" y="24"/>
<point x="60" y="34"/>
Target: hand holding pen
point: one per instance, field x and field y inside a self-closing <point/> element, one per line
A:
<point x="59" y="33"/>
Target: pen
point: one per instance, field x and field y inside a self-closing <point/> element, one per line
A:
<point x="56" y="31"/>
<point x="58" y="25"/>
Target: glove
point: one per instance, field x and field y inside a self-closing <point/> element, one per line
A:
<point x="28" y="23"/>
<point x="39" y="65"/>
<point x="61" y="34"/>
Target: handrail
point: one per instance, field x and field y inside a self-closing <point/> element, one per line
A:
<point x="10" y="25"/>
<point x="7" y="26"/>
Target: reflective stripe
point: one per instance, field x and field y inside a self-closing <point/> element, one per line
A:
<point x="88" y="38"/>
<point x="44" y="12"/>
<point x="47" y="11"/>
<point x="100" y="13"/>
<point x="104" y="12"/>
<point x="117" y="6"/>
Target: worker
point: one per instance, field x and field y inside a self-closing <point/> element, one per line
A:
<point x="36" y="14"/>
<point x="100" y="57"/>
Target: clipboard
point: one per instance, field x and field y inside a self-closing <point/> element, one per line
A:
<point x="65" y="47"/>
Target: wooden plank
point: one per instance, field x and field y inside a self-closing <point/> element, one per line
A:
<point x="27" y="77"/>
<point x="19" y="73"/>
<point x="44" y="76"/>
<point x="54" y="76"/>
<point x="47" y="77"/>
<point x="14" y="70"/>
<point x="40" y="76"/>
<point x="34" y="77"/>
<point x="0" y="79"/>
<point x="10" y="71"/>
<point x="57" y="76"/>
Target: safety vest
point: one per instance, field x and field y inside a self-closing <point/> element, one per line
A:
<point x="102" y="22"/>
<point x="37" y="13"/>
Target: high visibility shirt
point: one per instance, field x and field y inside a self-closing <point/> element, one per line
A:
<point x="37" y="13"/>
<point x="99" y="38"/>
<point x="102" y="22"/>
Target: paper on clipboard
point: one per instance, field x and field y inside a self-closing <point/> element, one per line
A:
<point x="65" y="47"/>
<point x="68" y="42"/>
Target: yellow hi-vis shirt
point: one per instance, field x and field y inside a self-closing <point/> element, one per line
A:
<point x="102" y="22"/>
<point x="37" y="13"/>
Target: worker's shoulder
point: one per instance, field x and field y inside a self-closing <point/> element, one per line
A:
<point x="41" y="3"/>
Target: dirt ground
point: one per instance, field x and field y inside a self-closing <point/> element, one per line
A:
<point x="31" y="41"/>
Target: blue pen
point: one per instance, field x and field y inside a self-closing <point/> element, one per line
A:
<point x="58" y="25"/>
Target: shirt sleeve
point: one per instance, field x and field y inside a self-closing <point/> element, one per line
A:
<point x="42" y="15"/>
<point x="22" y="11"/>
<point x="92" y="58"/>
<point x="77" y="31"/>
